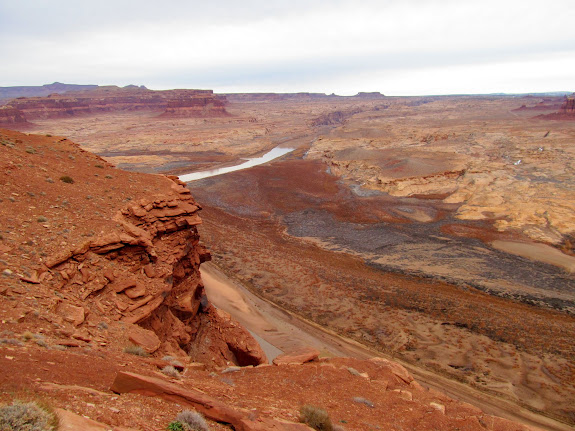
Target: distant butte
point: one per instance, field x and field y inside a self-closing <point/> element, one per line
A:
<point x="170" y="103"/>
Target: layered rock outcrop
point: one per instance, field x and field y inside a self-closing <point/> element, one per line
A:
<point x="133" y="260"/>
<point x="147" y="274"/>
<point x="204" y="104"/>
<point x="11" y="116"/>
<point x="565" y="112"/>
<point x="179" y="103"/>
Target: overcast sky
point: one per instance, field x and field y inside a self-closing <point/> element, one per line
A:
<point x="397" y="47"/>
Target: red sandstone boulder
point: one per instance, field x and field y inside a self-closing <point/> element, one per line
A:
<point x="398" y="370"/>
<point x="71" y="313"/>
<point x="299" y="356"/>
<point x="148" y="340"/>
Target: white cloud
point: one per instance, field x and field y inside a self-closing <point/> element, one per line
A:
<point x="249" y="44"/>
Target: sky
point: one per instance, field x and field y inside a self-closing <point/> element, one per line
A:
<point x="396" y="47"/>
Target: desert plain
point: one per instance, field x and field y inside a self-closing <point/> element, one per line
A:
<point x="435" y="230"/>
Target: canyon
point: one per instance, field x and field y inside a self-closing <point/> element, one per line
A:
<point x="434" y="230"/>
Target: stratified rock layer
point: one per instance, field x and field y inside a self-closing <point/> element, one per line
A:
<point x="176" y="103"/>
<point x="130" y="259"/>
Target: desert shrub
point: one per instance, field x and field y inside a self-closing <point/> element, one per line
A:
<point x="175" y="426"/>
<point x="27" y="417"/>
<point x="12" y="341"/>
<point x="316" y="418"/>
<point x="136" y="350"/>
<point x="42" y="219"/>
<point x="67" y="179"/>
<point x="192" y="421"/>
<point x="361" y="400"/>
<point x="170" y="371"/>
<point x="27" y="336"/>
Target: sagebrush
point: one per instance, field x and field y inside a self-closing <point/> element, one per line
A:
<point x="192" y="421"/>
<point x="27" y="417"/>
<point x="316" y="417"/>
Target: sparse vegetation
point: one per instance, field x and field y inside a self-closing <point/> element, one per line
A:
<point x="12" y="341"/>
<point x="191" y="421"/>
<point x="67" y="179"/>
<point x="136" y="350"/>
<point x="170" y="371"/>
<point x="42" y="219"/>
<point x="361" y="400"/>
<point x="315" y="417"/>
<point x="27" y="417"/>
<point x="27" y="335"/>
<point x="175" y="426"/>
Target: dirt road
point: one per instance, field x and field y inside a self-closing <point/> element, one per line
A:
<point x="287" y="331"/>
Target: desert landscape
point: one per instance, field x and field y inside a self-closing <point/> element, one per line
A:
<point x="435" y="231"/>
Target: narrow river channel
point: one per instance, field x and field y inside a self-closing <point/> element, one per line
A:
<point x="267" y="157"/>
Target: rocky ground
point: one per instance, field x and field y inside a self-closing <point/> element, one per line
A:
<point x="436" y="229"/>
<point x="96" y="261"/>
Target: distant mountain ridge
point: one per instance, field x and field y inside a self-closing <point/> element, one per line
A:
<point x="41" y="90"/>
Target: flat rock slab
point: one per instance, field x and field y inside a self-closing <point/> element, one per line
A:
<point x="241" y="420"/>
<point x="300" y="356"/>
<point x="72" y="422"/>
<point x="144" y="338"/>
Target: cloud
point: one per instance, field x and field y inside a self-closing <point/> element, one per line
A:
<point x="273" y="44"/>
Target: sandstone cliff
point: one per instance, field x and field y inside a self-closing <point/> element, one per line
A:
<point x="180" y="103"/>
<point x="11" y="116"/>
<point x="102" y="245"/>
<point x="566" y="111"/>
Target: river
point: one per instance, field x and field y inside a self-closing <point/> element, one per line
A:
<point x="249" y="163"/>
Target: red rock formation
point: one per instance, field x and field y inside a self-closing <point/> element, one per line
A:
<point x="565" y="112"/>
<point x="180" y="103"/>
<point x="135" y="261"/>
<point x="11" y="116"/>
<point x="300" y="356"/>
<point x="568" y="107"/>
<point x="153" y="280"/>
<point x="194" y="104"/>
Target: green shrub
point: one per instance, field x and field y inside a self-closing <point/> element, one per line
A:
<point x="175" y="426"/>
<point x="136" y="350"/>
<point x="27" y="417"/>
<point x="67" y="179"/>
<point x="316" y="418"/>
